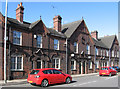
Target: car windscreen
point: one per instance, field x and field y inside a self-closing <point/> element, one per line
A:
<point x="34" y="72"/>
<point x="104" y="68"/>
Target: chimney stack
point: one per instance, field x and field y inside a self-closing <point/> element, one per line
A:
<point x="20" y="12"/>
<point x="94" y="34"/>
<point x="57" y="23"/>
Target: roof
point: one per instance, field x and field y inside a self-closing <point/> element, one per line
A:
<point x="105" y="42"/>
<point x="34" y="23"/>
<point x="108" y="40"/>
<point x="69" y="28"/>
<point x="56" y="33"/>
<point x="16" y="22"/>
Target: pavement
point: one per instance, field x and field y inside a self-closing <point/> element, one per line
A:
<point x="23" y="81"/>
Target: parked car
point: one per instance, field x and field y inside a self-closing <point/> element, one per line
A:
<point x="107" y="71"/>
<point x="117" y="68"/>
<point x="47" y="76"/>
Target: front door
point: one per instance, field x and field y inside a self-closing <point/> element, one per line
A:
<point x="79" y="67"/>
<point x="84" y="67"/>
<point x="39" y="65"/>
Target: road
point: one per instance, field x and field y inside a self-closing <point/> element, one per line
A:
<point x="86" y="81"/>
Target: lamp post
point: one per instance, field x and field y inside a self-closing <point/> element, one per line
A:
<point x="5" y="80"/>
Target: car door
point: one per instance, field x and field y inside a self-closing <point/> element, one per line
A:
<point x="58" y="76"/>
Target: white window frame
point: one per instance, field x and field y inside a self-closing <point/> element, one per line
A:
<point x="97" y="64"/>
<point x="107" y="53"/>
<point x="88" y="49"/>
<point x="20" y="38"/>
<point x="55" y="63"/>
<point x="40" y="43"/>
<point x="112" y="53"/>
<point x="96" y="51"/>
<point x="111" y="63"/>
<point x="17" y="63"/>
<point x="76" y="47"/>
<point x="57" y="45"/>
<point x="101" y="52"/>
<point x="117" y="53"/>
<point x="90" y="64"/>
<point x="74" y="68"/>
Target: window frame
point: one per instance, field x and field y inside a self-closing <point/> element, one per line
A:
<point x="16" y="62"/>
<point x="56" y="64"/>
<point x="75" y="47"/>
<point x="56" y="44"/>
<point x="74" y="66"/>
<point x="17" y="38"/>
<point x="90" y="64"/>
<point x="88" y="49"/>
<point x="39" y="41"/>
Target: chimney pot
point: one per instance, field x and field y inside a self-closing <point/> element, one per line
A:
<point x="94" y="34"/>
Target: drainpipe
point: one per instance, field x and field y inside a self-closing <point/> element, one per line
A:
<point x="66" y="56"/>
<point x="95" y="59"/>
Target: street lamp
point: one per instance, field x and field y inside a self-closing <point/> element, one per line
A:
<point x="5" y="80"/>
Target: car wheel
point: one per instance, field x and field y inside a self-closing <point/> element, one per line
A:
<point x="44" y="83"/>
<point x="68" y="80"/>
<point x="110" y="74"/>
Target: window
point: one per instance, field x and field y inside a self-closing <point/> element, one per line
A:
<point x="16" y="63"/>
<point x="111" y="63"/>
<point x="47" y="71"/>
<point x="73" y="64"/>
<point x="56" y="72"/>
<point x="96" y="51"/>
<point x="34" y="72"/>
<point x="75" y="47"/>
<point x="56" y="44"/>
<point x="39" y="41"/>
<point x="117" y="53"/>
<point x="97" y="64"/>
<point x="17" y="38"/>
<point x="101" y="52"/>
<point x="88" y="49"/>
<point x="112" y="53"/>
<point x="107" y="52"/>
<point x="56" y="63"/>
<point x="90" y="64"/>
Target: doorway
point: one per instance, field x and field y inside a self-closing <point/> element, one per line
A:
<point x="79" y="67"/>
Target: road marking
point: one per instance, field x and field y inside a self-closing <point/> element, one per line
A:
<point x="110" y="77"/>
<point x="85" y="83"/>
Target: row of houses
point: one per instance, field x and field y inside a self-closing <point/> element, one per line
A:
<point x="68" y="47"/>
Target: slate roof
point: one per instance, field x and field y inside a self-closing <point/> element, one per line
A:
<point x="17" y="23"/>
<point x="55" y="33"/>
<point x="105" y="42"/>
<point x="108" y="40"/>
<point x="69" y="28"/>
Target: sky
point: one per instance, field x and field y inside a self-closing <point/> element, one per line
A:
<point x="100" y="16"/>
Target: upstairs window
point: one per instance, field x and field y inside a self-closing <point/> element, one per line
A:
<point x="88" y="49"/>
<point x="96" y="51"/>
<point x="39" y="41"/>
<point x="56" y="44"/>
<point x="17" y="38"/>
<point x="75" y="47"/>
<point x="107" y="53"/>
<point x="103" y="52"/>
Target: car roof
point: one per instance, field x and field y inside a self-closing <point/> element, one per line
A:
<point x="45" y="69"/>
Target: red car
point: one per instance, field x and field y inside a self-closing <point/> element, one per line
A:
<point x="47" y="76"/>
<point x="107" y="71"/>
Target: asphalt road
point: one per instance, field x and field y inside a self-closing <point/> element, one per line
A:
<point x="86" y="81"/>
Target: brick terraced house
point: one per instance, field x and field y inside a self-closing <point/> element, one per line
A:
<point x="69" y="47"/>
